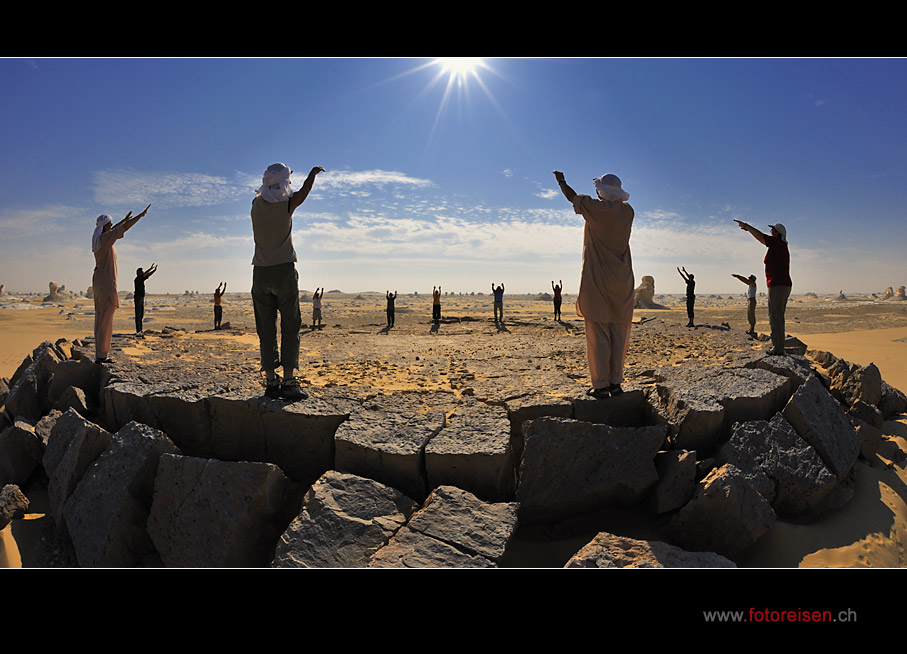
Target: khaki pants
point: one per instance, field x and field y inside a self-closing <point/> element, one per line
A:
<point x="606" y="351"/>
<point x="103" y="326"/>
<point x="777" y="304"/>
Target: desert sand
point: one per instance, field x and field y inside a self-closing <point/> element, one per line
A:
<point x="355" y="349"/>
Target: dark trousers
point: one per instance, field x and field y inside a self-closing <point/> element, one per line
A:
<point x="275" y="289"/>
<point x="690" y="302"/>
<point x="390" y="317"/>
<point x="436" y="312"/>
<point x="557" y="309"/>
<point x="139" y="312"/>
<point x="218" y="314"/>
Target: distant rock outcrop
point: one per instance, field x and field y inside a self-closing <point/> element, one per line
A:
<point x="644" y="294"/>
<point x="57" y="293"/>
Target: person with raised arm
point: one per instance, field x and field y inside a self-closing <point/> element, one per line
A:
<point x="691" y="293"/>
<point x="777" y="278"/>
<point x="750" y="300"/>
<point x="605" y="299"/>
<point x="498" y="302"/>
<point x="218" y="306"/>
<point x="390" y="297"/>
<point x="557" y="298"/>
<point x="141" y="276"/>
<point x="275" y="282"/>
<point x="104" y="278"/>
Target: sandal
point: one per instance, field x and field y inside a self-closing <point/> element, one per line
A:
<point x="599" y="393"/>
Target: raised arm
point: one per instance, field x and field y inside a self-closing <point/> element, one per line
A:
<point x="759" y="236"/>
<point x="131" y="220"/>
<point x="685" y="278"/>
<point x="743" y="279"/>
<point x="568" y="192"/>
<point x="299" y="196"/>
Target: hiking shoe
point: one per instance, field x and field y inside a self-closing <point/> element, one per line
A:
<point x="599" y="393"/>
<point x="289" y="390"/>
<point x="272" y="388"/>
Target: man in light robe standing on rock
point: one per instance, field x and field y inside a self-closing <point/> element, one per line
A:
<point x="606" y="290"/>
<point x="275" y="282"/>
<point x="777" y="279"/>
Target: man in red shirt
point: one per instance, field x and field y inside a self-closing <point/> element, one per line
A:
<point x="777" y="278"/>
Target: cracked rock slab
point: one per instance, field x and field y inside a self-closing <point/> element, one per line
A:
<point x="344" y="520"/>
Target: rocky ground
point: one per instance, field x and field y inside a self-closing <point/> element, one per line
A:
<point x="198" y="391"/>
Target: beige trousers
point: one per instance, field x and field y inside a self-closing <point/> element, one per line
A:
<point x="103" y="327"/>
<point x="606" y="351"/>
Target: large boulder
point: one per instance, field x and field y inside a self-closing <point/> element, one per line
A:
<point x="700" y="404"/>
<point x="613" y="551"/>
<point x="210" y="513"/>
<point x="801" y="480"/>
<point x="21" y="451"/>
<point x="570" y="467"/>
<point x="473" y="452"/>
<point x="344" y="520"/>
<point x="108" y="510"/>
<point x="385" y="440"/>
<point x="821" y="421"/>
<point x="73" y="445"/>
<point x="726" y="515"/>
<point x="454" y="528"/>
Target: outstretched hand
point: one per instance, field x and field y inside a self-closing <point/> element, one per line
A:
<point x="559" y="176"/>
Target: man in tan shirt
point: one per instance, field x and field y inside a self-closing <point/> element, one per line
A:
<point x="605" y="298"/>
<point x="275" y="282"/>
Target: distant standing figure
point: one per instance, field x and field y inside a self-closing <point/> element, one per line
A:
<point x="139" y="294"/>
<point x="691" y="293"/>
<point x="557" y="298"/>
<point x="777" y="278"/>
<point x="218" y="307"/>
<point x="750" y="300"/>
<point x="316" y="307"/>
<point x="390" y="307"/>
<point x="104" y="279"/>
<point x="436" y="304"/>
<point x="275" y="282"/>
<point x="498" y="301"/>
<point x="605" y="298"/>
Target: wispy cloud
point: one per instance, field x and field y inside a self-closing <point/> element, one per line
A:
<point x="24" y="223"/>
<point x="131" y="188"/>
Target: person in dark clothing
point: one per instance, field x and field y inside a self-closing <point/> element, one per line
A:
<point x="390" y="308"/>
<point x="777" y="278"/>
<point x="139" y="295"/>
<point x="557" y="298"/>
<point x="691" y="293"/>
<point x="436" y="304"/>
<point x="498" y="294"/>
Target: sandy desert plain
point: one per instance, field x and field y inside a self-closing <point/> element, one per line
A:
<point x="355" y="349"/>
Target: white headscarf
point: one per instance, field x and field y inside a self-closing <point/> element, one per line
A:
<point x="275" y="183"/>
<point x="608" y="188"/>
<point x="102" y="220"/>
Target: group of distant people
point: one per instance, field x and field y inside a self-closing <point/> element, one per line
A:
<point x="605" y="300"/>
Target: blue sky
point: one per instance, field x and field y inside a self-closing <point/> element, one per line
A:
<point x="432" y="180"/>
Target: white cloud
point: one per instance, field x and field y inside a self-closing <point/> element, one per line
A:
<point x="24" y="223"/>
<point x="135" y="189"/>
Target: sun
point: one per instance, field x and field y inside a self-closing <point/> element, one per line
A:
<point x="459" y="68"/>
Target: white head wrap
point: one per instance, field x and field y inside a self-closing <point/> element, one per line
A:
<point x="782" y="231"/>
<point x="608" y="188"/>
<point x="275" y="183"/>
<point x="102" y="220"/>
